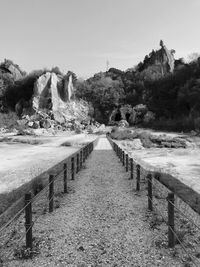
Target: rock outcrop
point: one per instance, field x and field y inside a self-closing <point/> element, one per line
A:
<point x="68" y="88"/>
<point x="50" y="94"/>
<point x="147" y="140"/>
<point x="157" y="64"/>
<point x="133" y="115"/>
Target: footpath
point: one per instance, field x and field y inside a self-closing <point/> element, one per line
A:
<point x="101" y="222"/>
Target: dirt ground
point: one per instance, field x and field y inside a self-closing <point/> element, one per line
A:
<point x="21" y="161"/>
<point x="101" y="222"/>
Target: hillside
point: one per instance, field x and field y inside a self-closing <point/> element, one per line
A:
<point x="167" y="87"/>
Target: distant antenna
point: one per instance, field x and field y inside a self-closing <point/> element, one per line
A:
<point x="107" y="65"/>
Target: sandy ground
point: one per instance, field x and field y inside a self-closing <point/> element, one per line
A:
<point x="22" y="162"/>
<point x="100" y="223"/>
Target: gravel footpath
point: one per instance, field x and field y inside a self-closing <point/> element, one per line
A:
<point x="101" y="222"/>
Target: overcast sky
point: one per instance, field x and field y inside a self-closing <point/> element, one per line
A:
<point x="81" y="35"/>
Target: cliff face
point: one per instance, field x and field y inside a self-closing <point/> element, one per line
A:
<point x="52" y="94"/>
<point x="158" y="63"/>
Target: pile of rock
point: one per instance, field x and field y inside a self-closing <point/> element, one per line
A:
<point x="147" y="140"/>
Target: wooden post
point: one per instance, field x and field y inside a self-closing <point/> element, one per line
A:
<point x="51" y="192"/>
<point x="81" y="158"/>
<point x="77" y="163"/>
<point x="83" y="154"/>
<point x="117" y="151"/>
<point x="87" y="151"/>
<point x="89" y="148"/>
<point x="150" y="198"/>
<point x="171" y="229"/>
<point x="65" y="177"/>
<point x="131" y="169"/>
<point x="72" y="168"/>
<point x="123" y="158"/>
<point x="28" y="221"/>
<point x="127" y="162"/>
<point x="138" y="178"/>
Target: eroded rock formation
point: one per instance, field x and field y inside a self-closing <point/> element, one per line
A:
<point x="51" y="95"/>
<point x="133" y="115"/>
<point x="158" y="63"/>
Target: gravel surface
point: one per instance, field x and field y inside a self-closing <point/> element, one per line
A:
<point x="101" y="222"/>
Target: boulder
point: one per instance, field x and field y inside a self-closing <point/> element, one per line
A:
<point x="45" y="123"/>
<point x="59" y="117"/>
<point x="123" y="134"/>
<point x="123" y="123"/>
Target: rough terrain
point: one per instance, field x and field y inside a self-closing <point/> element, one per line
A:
<point x="101" y="222"/>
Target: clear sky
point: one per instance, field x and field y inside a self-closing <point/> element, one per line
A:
<point x="81" y="35"/>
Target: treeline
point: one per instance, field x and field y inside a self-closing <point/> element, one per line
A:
<point x="175" y="98"/>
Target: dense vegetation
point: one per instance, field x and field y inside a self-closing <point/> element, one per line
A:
<point x="175" y="98"/>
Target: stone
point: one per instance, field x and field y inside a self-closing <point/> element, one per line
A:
<point x="30" y="124"/>
<point x="137" y="144"/>
<point x="46" y="123"/>
<point x="157" y="64"/>
<point x="123" y="123"/>
<point x="36" y="125"/>
<point x="123" y="134"/>
<point x="59" y="117"/>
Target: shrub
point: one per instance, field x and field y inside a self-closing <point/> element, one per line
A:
<point x="183" y="124"/>
<point x="8" y="120"/>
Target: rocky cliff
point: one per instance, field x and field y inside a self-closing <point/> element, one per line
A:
<point x="52" y="93"/>
<point x="157" y="64"/>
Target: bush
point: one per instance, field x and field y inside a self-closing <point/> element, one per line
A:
<point x="183" y="124"/>
<point x="8" y="120"/>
